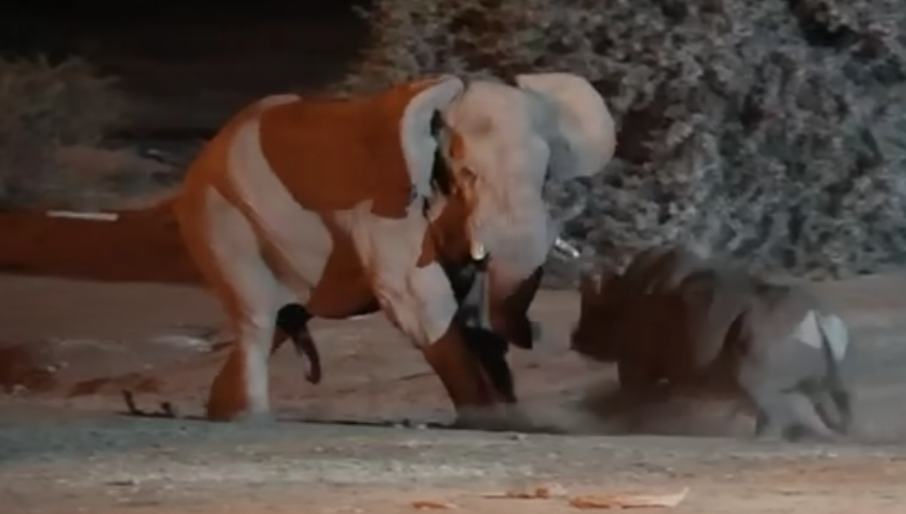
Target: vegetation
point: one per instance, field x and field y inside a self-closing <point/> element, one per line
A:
<point x="774" y="131"/>
<point x="44" y="108"/>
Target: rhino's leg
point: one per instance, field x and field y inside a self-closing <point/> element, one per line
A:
<point x="786" y="380"/>
<point x="782" y="411"/>
<point x="810" y="423"/>
<point x="775" y="413"/>
<point x="638" y="379"/>
<point x="638" y="389"/>
<point x="833" y="407"/>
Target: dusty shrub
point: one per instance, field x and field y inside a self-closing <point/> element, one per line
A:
<point x="774" y="131"/>
<point x="102" y="178"/>
<point x="44" y="107"/>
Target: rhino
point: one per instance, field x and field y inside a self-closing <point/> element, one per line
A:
<point x="676" y="319"/>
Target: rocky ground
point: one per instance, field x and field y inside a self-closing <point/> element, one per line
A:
<point x="77" y="328"/>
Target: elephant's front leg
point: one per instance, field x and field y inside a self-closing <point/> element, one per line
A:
<point x="491" y="351"/>
<point x="474" y="316"/>
<point x="417" y="296"/>
<point x="426" y="312"/>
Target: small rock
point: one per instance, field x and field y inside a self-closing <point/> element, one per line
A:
<point x="123" y="482"/>
<point x="432" y="505"/>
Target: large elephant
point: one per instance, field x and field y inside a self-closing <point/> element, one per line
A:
<point x="349" y="206"/>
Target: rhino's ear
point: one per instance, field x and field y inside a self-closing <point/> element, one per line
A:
<point x="417" y="131"/>
<point x="607" y="282"/>
<point x="593" y="288"/>
<point x="581" y="129"/>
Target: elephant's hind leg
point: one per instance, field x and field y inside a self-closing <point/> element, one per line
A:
<point x="226" y="250"/>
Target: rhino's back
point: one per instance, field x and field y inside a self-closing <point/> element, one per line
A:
<point x="776" y="312"/>
<point x="659" y="269"/>
<point x="657" y="330"/>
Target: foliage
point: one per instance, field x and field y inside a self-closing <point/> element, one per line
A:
<point x="45" y="107"/>
<point x="774" y="131"/>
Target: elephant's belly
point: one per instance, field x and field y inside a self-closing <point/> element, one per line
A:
<point x="330" y="283"/>
<point x="339" y="296"/>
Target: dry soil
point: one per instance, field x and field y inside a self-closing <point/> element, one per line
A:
<point x="91" y="308"/>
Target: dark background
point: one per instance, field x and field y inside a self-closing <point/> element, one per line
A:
<point x="187" y="65"/>
<point x="93" y="11"/>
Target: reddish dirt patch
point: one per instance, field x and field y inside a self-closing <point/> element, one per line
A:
<point x="142" y="246"/>
<point x="27" y="367"/>
<point x="71" y="368"/>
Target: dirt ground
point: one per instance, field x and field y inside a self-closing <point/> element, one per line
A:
<point x="91" y="308"/>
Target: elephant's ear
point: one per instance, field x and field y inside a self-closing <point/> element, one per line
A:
<point x="581" y="131"/>
<point x="418" y="140"/>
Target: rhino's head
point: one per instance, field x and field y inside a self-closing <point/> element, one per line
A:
<point x="599" y="309"/>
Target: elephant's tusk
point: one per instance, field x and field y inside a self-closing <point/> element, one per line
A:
<point x="478" y="251"/>
<point x="565" y="249"/>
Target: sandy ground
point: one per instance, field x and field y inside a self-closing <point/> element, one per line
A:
<point x="83" y="318"/>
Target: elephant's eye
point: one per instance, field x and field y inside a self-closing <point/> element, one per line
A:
<point x="426" y="206"/>
<point x="468" y="179"/>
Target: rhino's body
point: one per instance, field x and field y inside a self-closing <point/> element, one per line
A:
<point x="721" y="329"/>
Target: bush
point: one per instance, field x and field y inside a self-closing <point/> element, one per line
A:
<point x="45" y="107"/>
<point x="774" y="131"/>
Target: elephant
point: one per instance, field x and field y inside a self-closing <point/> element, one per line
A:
<point x="372" y="203"/>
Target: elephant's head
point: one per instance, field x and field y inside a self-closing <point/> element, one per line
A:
<point x="502" y="145"/>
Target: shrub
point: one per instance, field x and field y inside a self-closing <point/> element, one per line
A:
<point x="774" y="131"/>
<point x="45" y="107"/>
